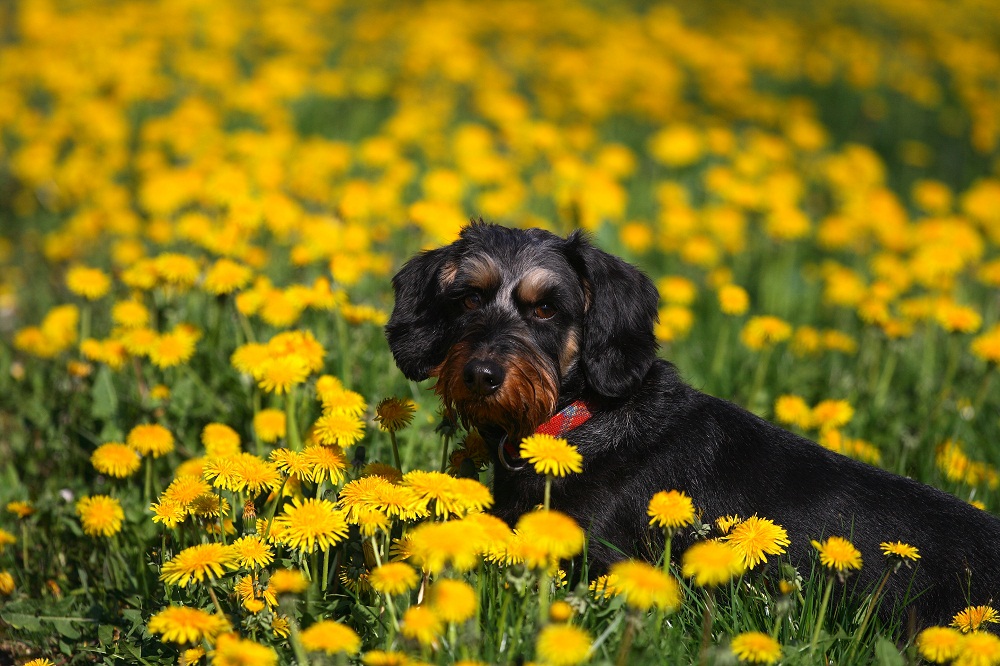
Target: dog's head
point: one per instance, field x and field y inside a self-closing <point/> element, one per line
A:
<point x="510" y="320"/>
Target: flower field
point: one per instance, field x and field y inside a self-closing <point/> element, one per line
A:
<point x="210" y="456"/>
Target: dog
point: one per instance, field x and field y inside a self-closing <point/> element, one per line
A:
<point x="523" y="329"/>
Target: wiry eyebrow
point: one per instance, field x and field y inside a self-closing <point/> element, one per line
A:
<point x="481" y="272"/>
<point x="536" y="284"/>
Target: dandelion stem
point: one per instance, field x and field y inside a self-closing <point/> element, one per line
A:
<point x="301" y="657"/>
<point x="706" y="625"/>
<point x="868" y="614"/>
<point x="24" y="547"/>
<point x="984" y="388"/>
<point x="444" y="454"/>
<point x="543" y="597"/>
<point x="395" y="450"/>
<point x="822" y="614"/>
<point x="626" y="644"/>
<point x="668" y="535"/>
<point x="548" y="490"/>
<point x="215" y="599"/>
<point x="148" y="490"/>
<point x="292" y="425"/>
<point x="885" y="378"/>
<point x="760" y="375"/>
<point x="274" y="508"/>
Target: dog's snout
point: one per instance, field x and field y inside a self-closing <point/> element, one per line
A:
<point x="482" y="377"/>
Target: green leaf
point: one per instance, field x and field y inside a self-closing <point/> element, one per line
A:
<point x="886" y="653"/>
<point x="105" y="403"/>
<point x="66" y="628"/>
<point x="22" y="621"/>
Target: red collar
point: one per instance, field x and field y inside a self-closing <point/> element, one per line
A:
<point x="572" y="416"/>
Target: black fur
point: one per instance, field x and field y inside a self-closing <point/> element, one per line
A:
<point x="653" y="432"/>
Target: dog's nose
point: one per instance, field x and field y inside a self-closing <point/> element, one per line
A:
<point x="482" y="377"/>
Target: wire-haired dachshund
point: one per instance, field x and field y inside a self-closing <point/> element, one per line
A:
<point x="524" y="329"/>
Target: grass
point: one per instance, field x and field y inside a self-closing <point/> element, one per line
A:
<point x="320" y="147"/>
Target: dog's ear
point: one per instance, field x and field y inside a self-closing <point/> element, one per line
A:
<point x="621" y="309"/>
<point x="418" y="329"/>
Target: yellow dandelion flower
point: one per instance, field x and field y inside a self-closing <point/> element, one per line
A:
<point x="645" y="586"/>
<point x="292" y="463"/>
<point x="551" y="455"/>
<point x="793" y="410"/>
<point x="270" y="425"/>
<point x="344" y="402"/>
<point x="6" y="539"/>
<point x="224" y="472"/>
<point x="226" y="276"/>
<point x="980" y="648"/>
<point x="91" y="283"/>
<point x="185" y="489"/>
<point x="832" y="414"/>
<point x="20" y="509"/>
<point x="755" y="647"/>
<point x="711" y="563"/>
<point x="939" y="645"/>
<point x="560" y="611"/>
<point x="168" y="513"/>
<point x="41" y="661"/>
<point x="250" y="359"/>
<point x="987" y="346"/>
<point x="252" y="552"/>
<point x="670" y="509"/>
<point x="114" y="459"/>
<point x="302" y="344"/>
<point x="7" y="584"/>
<point x="150" y="440"/>
<point x="393" y="414"/>
<point x="281" y="626"/>
<point x="838" y="553"/>
<point x="605" y="587"/>
<point x="383" y="658"/>
<point x="393" y="578"/>
<point x="563" y="645"/>
<point x="733" y="300"/>
<point x="288" y="581"/>
<point x="311" y="523"/>
<point x="472" y="496"/>
<point x="756" y="538"/>
<point x="256" y="475"/>
<point x="421" y="624"/>
<point x="209" y="505"/>
<point x="433" y="546"/>
<point x="197" y="563"/>
<point x="373" y="521"/>
<point x="279" y="375"/>
<point x="727" y="523"/>
<point x="972" y="618"/>
<point x="220" y="440"/>
<point x="330" y="637"/>
<point x="326" y="462"/>
<point x="340" y="429"/>
<point x="181" y="624"/>
<point x="176" y="269"/>
<point x="764" y="331"/>
<point x="899" y="551"/>
<point x="173" y="348"/>
<point x="130" y="314"/>
<point x="231" y="650"/>
<point x="453" y="600"/>
<point x="100" y="515"/>
<point x="545" y="537"/>
<point x="387" y="472"/>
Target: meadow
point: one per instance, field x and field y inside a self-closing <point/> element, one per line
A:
<point x="209" y="454"/>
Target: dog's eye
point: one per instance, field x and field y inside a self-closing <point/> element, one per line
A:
<point x="473" y="302"/>
<point x="544" y="311"/>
